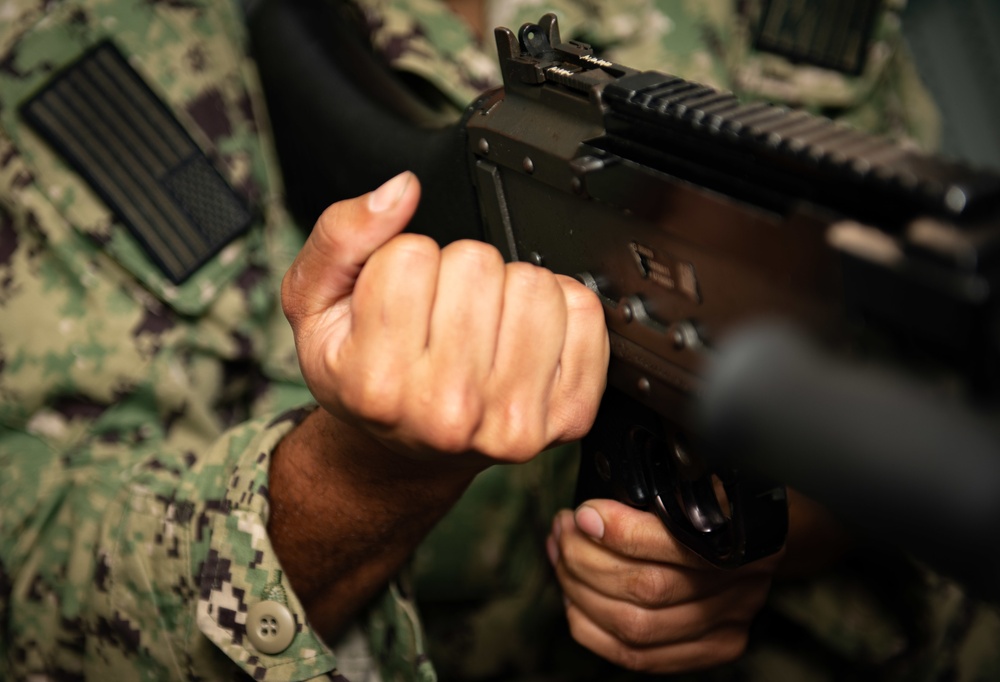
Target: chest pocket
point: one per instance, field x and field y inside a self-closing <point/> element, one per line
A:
<point x="136" y="128"/>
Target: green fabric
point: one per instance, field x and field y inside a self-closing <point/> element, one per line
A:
<point x="137" y="418"/>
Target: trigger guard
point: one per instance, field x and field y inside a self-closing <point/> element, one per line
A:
<point x="628" y="456"/>
<point x="689" y="508"/>
<point x="701" y="506"/>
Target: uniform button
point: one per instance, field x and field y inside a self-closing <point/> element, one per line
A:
<point x="270" y="627"/>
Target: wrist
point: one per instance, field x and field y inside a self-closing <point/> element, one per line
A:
<point x="352" y="452"/>
<point x="347" y="512"/>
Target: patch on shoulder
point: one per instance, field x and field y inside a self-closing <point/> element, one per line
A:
<point x="833" y="34"/>
<point x="106" y="121"/>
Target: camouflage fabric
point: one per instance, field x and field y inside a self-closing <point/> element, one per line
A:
<point x="138" y="416"/>
<point x="490" y="604"/>
<point x="707" y="41"/>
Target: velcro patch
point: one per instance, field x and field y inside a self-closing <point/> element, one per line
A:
<point x="833" y="34"/>
<point x="113" y="130"/>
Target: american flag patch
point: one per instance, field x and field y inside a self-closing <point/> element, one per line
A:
<point x="110" y="126"/>
<point x="833" y="34"/>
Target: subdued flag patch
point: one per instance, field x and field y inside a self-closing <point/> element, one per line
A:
<point x="110" y="126"/>
<point x="833" y="34"/>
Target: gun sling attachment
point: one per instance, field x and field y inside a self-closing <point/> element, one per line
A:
<point x="691" y="215"/>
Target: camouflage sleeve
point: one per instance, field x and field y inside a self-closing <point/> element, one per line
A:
<point x="139" y="408"/>
<point x="148" y="571"/>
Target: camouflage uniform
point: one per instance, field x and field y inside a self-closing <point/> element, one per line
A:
<point x="137" y="415"/>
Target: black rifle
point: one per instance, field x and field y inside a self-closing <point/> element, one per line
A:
<point x="693" y="217"/>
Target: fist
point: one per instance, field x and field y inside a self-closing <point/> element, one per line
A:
<point x="449" y="353"/>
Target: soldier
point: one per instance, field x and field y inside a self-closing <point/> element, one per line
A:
<point x="175" y="503"/>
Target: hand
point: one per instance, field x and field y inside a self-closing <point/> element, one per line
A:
<point x="427" y="364"/>
<point x="441" y="351"/>
<point x="640" y="599"/>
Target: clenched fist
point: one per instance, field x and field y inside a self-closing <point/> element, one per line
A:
<point x="441" y="351"/>
<point x="428" y="365"/>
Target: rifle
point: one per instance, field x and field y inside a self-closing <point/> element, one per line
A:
<point x="693" y="217"/>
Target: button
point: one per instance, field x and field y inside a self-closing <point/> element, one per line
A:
<point x="270" y="627"/>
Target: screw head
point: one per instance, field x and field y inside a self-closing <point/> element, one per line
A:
<point x="626" y="311"/>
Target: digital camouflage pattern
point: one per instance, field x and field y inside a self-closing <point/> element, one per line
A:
<point x="137" y="417"/>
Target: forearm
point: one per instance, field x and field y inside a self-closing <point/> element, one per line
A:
<point x="346" y="513"/>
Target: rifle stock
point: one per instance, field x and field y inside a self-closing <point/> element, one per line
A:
<point x="691" y="215"/>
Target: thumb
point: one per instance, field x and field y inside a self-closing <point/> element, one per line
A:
<point x="632" y="532"/>
<point x="344" y="237"/>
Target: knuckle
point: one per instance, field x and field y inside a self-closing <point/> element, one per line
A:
<point x="570" y="553"/>
<point x="291" y="294"/>
<point x="509" y="450"/>
<point x="616" y="651"/>
<point x="328" y="236"/>
<point x="576" y="631"/>
<point x="648" y="586"/>
<point x="592" y="316"/>
<point x="634" y="627"/>
<point x="476" y="254"/>
<point x="327" y="221"/>
<point x="446" y="441"/>
<point x="528" y="279"/>
<point x="514" y="435"/>
<point x="636" y="660"/>
<point x="410" y="246"/>
<point x="454" y="417"/>
<point x="525" y="430"/>
<point x="730" y="645"/>
<point x="372" y="396"/>
<point x="581" y="299"/>
<point x="574" y="418"/>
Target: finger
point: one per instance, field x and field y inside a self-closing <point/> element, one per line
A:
<point x="393" y="299"/>
<point x="638" y="626"/>
<point x="720" y="646"/>
<point x="634" y="533"/>
<point x="387" y="336"/>
<point x="325" y="270"/>
<point x="444" y="402"/>
<point x="582" y="561"/>
<point x="529" y="344"/>
<point x="655" y="617"/>
<point x="466" y="318"/>
<point x="583" y="364"/>
<point x="641" y="535"/>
